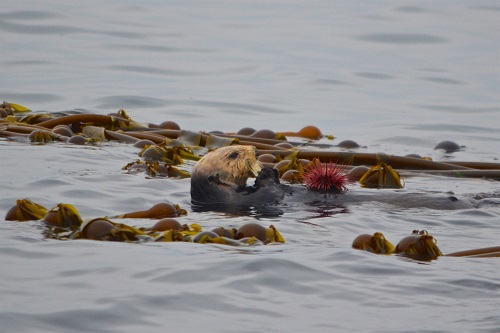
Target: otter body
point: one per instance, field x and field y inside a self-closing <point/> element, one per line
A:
<point x="219" y="181"/>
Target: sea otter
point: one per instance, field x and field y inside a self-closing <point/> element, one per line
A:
<point x="219" y="182"/>
<point x="220" y="178"/>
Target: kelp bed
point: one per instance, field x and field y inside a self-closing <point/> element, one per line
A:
<point x="165" y="147"/>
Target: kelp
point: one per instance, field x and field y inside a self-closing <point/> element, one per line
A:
<point x="352" y="158"/>
<point x="376" y="243"/>
<point x="121" y="127"/>
<point x="156" y="169"/>
<point x="94" y="132"/>
<point x="174" y="146"/>
<point x="12" y="108"/>
<point x="44" y="136"/>
<point x="171" y="154"/>
<point x="64" y="216"/>
<point x="486" y="252"/>
<point x="308" y="132"/>
<point x="64" y="222"/>
<point x="299" y="165"/>
<point x="29" y="119"/>
<point x="26" y="210"/>
<point x="107" y="230"/>
<point x="190" y="138"/>
<point x="381" y="175"/>
<point x="420" y="246"/>
<point x="214" y="142"/>
<point x="109" y="122"/>
<point x="158" y="211"/>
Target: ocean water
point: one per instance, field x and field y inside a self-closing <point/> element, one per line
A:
<point x="395" y="77"/>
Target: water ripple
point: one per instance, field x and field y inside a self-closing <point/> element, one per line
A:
<point x="443" y="80"/>
<point x="7" y="25"/>
<point x="402" y="38"/>
<point x="28" y="15"/>
<point x="375" y="76"/>
<point x="460" y="108"/>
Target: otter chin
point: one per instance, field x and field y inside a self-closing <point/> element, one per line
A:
<point x="221" y="176"/>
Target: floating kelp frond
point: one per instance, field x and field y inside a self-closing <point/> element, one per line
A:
<point x="94" y="132"/>
<point x="161" y="153"/>
<point x="210" y="237"/>
<point x="33" y="118"/>
<point x="171" y="155"/>
<point x="265" y="140"/>
<point x="190" y="230"/>
<point x="292" y="177"/>
<point x="419" y="245"/>
<point x="26" y="210"/>
<point x="265" y="235"/>
<point x="292" y="164"/>
<point x="123" y="114"/>
<point x="63" y="222"/>
<point x="352" y="158"/>
<point x="214" y="141"/>
<point x="43" y="136"/>
<point x="381" y="175"/>
<point x="487" y="252"/>
<point x="155" y="169"/>
<point x="64" y="216"/>
<point x="308" y="132"/>
<point x="105" y="229"/>
<point x="268" y="134"/>
<point x="225" y="232"/>
<point x="109" y="122"/>
<point x="158" y="211"/>
<point x="190" y="138"/>
<point x="375" y="244"/>
<point x="11" y="108"/>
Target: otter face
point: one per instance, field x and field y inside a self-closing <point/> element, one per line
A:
<point x="221" y="176"/>
<point x="234" y="166"/>
<point x="223" y="171"/>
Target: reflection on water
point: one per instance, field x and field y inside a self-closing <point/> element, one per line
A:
<point x="397" y="79"/>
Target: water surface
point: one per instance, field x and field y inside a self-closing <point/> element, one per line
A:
<point x="396" y="78"/>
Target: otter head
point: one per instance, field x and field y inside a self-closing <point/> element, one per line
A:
<point x="223" y="172"/>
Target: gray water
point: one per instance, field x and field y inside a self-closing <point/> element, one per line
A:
<point x="397" y="77"/>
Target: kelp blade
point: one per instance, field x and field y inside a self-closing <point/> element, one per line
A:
<point x="28" y="210"/>
<point x="381" y="175"/>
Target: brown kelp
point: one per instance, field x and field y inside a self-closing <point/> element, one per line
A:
<point x="165" y="150"/>
<point x="419" y="245"/>
<point x="64" y="222"/>
<point x="173" y="145"/>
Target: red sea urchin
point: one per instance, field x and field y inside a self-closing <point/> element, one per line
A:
<point x="326" y="177"/>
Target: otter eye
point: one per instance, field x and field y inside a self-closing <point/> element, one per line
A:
<point x="233" y="155"/>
